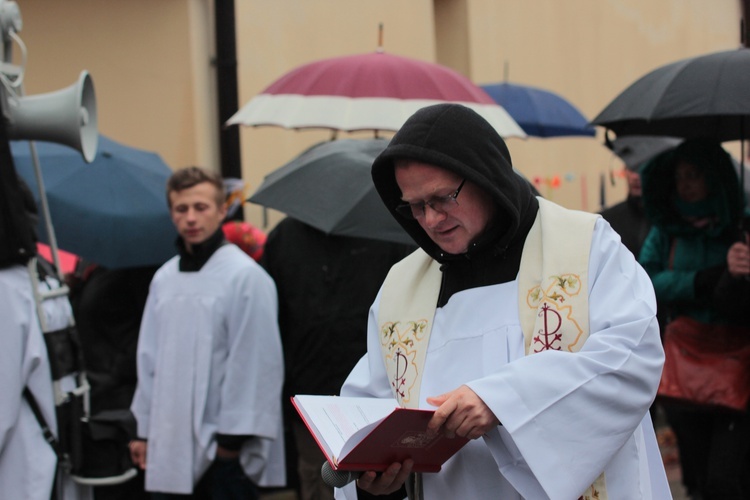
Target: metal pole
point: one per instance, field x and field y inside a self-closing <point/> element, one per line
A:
<point x="226" y="74"/>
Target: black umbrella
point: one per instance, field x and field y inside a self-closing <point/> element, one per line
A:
<point x="329" y="187"/>
<point x="704" y="97"/>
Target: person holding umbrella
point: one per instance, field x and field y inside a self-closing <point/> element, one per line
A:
<point x="326" y="284"/>
<point x="528" y="328"/>
<point x="691" y="195"/>
<point x="628" y="217"/>
<point x="732" y="295"/>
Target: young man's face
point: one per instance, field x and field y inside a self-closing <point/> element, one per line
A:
<point x="196" y="213"/>
<point x="452" y="230"/>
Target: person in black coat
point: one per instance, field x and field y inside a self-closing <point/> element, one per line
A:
<point x="628" y="217"/>
<point x="326" y="285"/>
<point x="107" y="305"/>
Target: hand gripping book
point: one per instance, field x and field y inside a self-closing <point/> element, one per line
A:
<point x="361" y="434"/>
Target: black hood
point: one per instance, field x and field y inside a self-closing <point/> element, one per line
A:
<point x="458" y="139"/>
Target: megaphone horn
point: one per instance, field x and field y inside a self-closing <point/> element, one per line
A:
<point x="67" y="116"/>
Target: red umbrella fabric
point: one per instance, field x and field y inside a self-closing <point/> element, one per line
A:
<point x="375" y="91"/>
<point x="68" y="261"/>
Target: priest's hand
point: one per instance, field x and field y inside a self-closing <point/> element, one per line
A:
<point x="461" y="413"/>
<point x="138" y="448"/>
<point x="391" y="480"/>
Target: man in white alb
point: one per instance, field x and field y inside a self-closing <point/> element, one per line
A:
<point x="528" y="327"/>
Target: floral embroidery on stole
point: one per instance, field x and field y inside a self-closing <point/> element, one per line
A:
<point x="407" y="308"/>
<point x="553" y="289"/>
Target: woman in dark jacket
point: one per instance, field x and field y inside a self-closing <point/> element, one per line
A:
<point x="692" y="197"/>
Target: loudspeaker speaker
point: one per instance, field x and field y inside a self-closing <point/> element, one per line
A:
<point x="67" y="116"/>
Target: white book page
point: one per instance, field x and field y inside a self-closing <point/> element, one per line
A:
<point x="336" y="419"/>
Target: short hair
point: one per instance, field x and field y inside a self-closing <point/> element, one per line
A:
<point x="187" y="177"/>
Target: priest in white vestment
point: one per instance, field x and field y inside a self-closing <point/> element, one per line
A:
<point x="529" y="328"/>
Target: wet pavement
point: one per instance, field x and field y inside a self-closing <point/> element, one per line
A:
<point x="670" y="456"/>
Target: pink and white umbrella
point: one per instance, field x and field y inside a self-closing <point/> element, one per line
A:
<point x="375" y="91"/>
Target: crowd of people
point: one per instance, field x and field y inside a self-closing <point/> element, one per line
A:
<point x="530" y="329"/>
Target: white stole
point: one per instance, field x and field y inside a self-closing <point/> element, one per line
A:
<point x="553" y="296"/>
<point x="407" y="309"/>
<point x="552" y="292"/>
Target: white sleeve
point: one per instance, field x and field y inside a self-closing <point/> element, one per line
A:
<point x="566" y="415"/>
<point x="254" y="373"/>
<point x="146" y="364"/>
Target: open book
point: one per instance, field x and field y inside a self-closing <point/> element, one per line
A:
<point x="361" y="434"/>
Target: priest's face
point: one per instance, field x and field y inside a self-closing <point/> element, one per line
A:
<point x="196" y="213"/>
<point x="451" y="210"/>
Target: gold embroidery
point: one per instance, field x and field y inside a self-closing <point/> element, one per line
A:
<point x="592" y="493"/>
<point x="402" y="347"/>
<point x="557" y="327"/>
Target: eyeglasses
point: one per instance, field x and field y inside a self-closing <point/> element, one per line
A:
<point x="441" y="204"/>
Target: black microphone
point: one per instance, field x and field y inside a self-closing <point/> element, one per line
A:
<point x="338" y="478"/>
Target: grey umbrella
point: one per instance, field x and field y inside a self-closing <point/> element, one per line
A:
<point x="634" y="150"/>
<point x="329" y="187"/>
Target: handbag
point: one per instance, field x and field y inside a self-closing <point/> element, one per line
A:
<point x="706" y="366"/>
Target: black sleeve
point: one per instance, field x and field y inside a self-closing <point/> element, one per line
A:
<point x="706" y="281"/>
<point x="398" y="495"/>
<point x="231" y="442"/>
<point x="731" y="298"/>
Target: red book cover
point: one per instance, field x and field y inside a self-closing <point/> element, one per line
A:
<point x="371" y="438"/>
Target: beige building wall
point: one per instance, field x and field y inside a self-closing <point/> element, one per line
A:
<point x="151" y="61"/>
<point x="585" y="50"/>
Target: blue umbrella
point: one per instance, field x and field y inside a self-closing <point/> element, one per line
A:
<point x="539" y="112"/>
<point x="112" y="211"/>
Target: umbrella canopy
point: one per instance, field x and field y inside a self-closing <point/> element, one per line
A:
<point x="539" y="112"/>
<point x="634" y="150"/>
<point x="376" y="91"/>
<point x="112" y="211"/>
<point x="330" y="187"/>
<point x="700" y="97"/>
